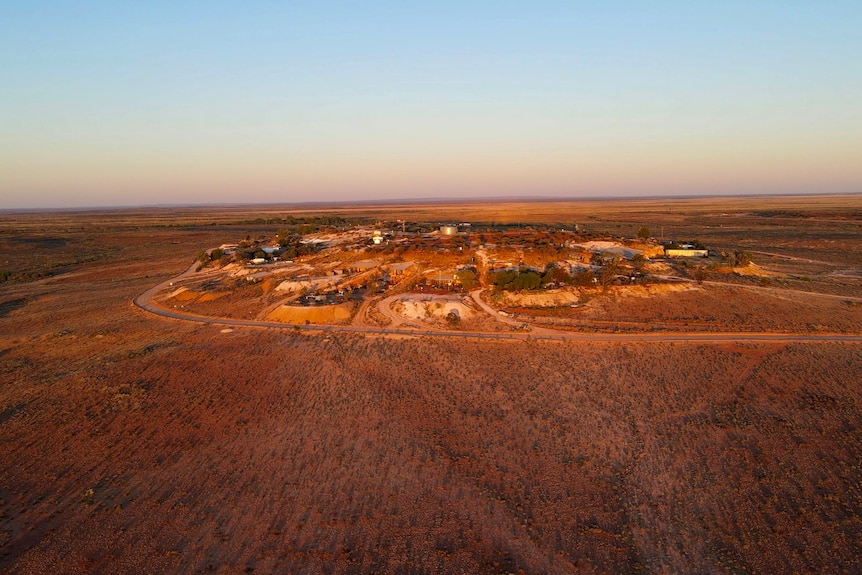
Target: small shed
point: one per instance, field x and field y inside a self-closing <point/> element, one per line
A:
<point x="444" y="279"/>
<point x="361" y="266"/>
<point x="400" y="268"/>
<point x="685" y="253"/>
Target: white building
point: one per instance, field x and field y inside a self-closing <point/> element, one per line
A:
<point x="685" y="253"/>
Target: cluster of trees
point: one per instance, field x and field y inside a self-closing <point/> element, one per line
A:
<point x="216" y="255"/>
<point x="287" y="239"/>
<point x="24" y="276"/>
<point x="467" y="278"/>
<point x="515" y="279"/>
<point x="530" y="279"/>
<point x="311" y="223"/>
<point x="290" y="246"/>
<point x="736" y="258"/>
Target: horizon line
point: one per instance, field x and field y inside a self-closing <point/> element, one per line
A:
<point x="421" y="201"/>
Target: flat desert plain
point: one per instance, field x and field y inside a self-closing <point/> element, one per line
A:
<point x="134" y="443"/>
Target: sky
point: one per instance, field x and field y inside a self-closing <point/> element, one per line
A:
<point x="183" y="102"/>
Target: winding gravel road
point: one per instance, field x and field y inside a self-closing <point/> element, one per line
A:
<point x="145" y="302"/>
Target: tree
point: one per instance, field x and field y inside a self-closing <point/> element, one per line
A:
<point x="502" y="278"/>
<point x="643" y="233"/>
<point x="556" y="274"/>
<point x="527" y="280"/>
<point x="743" y="258"/>
<point x="467" y="278"/>
<point x="584" y="278"/>
<point x="609" y="270"/>
<point x="283" y="238"/>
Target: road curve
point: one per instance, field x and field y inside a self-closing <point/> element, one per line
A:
<point x="145" y="302"/>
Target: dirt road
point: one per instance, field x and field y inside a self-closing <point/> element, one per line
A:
<point x="145" y="302"/>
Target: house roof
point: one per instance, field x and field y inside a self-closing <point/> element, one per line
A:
<point x="443" y="277"/>
<point x="364" y="265"/>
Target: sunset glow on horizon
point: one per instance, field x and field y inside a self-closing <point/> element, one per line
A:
<point x="106" y="105"/>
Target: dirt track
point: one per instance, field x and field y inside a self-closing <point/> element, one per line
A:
<point x="146" y="303"/>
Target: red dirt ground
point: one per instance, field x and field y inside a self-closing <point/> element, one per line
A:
<point x="133" y="444"/>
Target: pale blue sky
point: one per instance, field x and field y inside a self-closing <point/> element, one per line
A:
<point x="107" y="103"/>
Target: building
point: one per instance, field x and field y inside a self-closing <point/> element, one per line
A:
<point x="449" y="230"/>
<point x="444" y="279"/>
<point x="400" y="268"/>
<point x="685" y="253"/>
<point x="360" y="266"/>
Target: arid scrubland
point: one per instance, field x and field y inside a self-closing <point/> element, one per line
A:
<point x="138" y="444"/>
<point x="289" y="453"/>
<point x="711" y="308"/>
